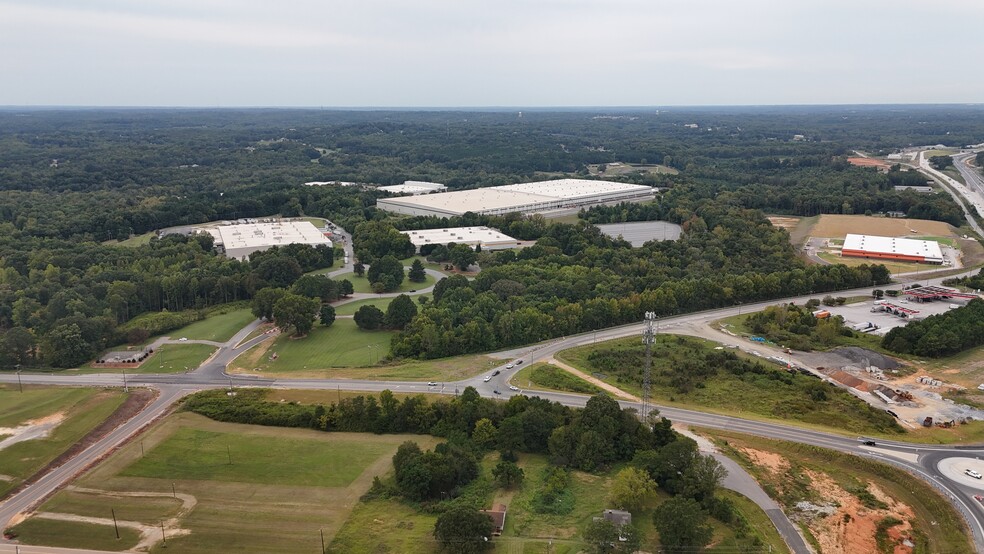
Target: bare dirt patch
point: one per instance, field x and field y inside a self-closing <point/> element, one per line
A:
<point x="868" y="162"/>
<point x="774" y="462"/>
<point x="837" y="226"/>
<point x="787" y="223"/>
<point x="30" y="430"/>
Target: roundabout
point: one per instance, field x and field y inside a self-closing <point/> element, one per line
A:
<point x="962" y="470"/>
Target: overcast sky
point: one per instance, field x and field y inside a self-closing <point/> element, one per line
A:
<point x="489" y="52"/>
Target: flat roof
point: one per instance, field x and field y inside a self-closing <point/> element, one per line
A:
<point x="408" y="188"/>
<point x="476" y="200"/>
<point x="484" y="235"/>
<point x="574" y="188"/>
<point x="521" y="196"/>
<point x="928" y="249"/>
<point x="253" y="235"/>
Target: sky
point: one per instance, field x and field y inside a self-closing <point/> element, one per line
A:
<point x="476" y="53"/>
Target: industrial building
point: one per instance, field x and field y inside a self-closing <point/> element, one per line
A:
<point x="523" y="198"/>
<point x="240" y="240"/>
<point x="487" y="238"/>
<point x="414" y="187"/>
<point x="892" y="248"/>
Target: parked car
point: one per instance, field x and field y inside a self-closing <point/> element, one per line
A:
<point x="496" y="391"/>
<point x="513" y="387"/>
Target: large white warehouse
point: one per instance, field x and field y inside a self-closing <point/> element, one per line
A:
<point x="523" y="197"/>
<point x="240" y="240"/>
<point x="486" y="237"/>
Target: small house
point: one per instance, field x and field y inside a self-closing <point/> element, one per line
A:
<point x="498" y="517"/>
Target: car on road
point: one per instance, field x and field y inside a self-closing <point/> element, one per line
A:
<point x="513" y="387"/>
<point x="487" y="378"/>
<point x="496" y="372"/>
<point x="183" y="339"/>
<point x="518" y="362"/>
<point x="979" y="498"/>
<point x="973" y="473"/>
<point x="431" y="384"/>
<point x="509" y="366"/>
<point x="496" y="391"/>
<point x="868" y="443"/>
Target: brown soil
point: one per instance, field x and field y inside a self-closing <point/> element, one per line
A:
<point x="771" y="460"/>
<point x="133" y="405"/>
<point x="867" y="162"/>
<point x="787" y="223"/>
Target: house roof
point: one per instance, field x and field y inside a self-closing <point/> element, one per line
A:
<point x="498" y="515"/>
<point x="618" y="517"/>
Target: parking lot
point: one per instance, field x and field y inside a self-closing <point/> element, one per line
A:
<point x="860" y="312"/>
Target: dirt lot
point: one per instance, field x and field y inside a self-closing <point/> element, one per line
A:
<point x="837" y="226"/>
<point x="868" y="162"/>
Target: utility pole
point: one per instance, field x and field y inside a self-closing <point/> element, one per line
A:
<point x="648" y="338"/>
<point x="125" y="388"/>
<point x="163" y="538"/>
<point x="19" y="384"/>
<point x="115" y="525"/>
<point x="322" y="541"/>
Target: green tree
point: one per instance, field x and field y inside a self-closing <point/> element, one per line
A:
<point x="485" y="433"/>
<point x="369" y="318"/>
<point x="359" y="269"/>
<point x="507" y="474"/>
<point x="633" y="490"/>
<point x="387" y="270"/>
<point x="682" y="525"/>
<point x="264" y="300"/>
<point x="17" y="347"/>
<point x="345" y="288"/>
<point x="327" y="315"/>
<point x="316" y="286"/>
<point x="702" y="478"/>
<point x="463" y="530"/>
<point x="940" y="163"/>
<point x="64" y="346"/>
<point x="278" y="271"/>
<point x="462" y="256"/>
<point x="400" y="312"/>
<point x="417" y="273"/>
<point x="294" y="310"/>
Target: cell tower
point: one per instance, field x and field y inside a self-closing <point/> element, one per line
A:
<point x="648" y="338"/>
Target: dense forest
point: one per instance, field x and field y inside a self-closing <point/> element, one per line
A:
<point x="75" y="182"/>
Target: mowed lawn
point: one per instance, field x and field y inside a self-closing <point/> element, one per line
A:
<point x="362" y="284"/>
<point x="220" y="327"/>
<point x="341" y="345"/>
<point x="175" y="358"/>
<point x="350" y="308"/>
<point x="283" y="488"/>
<point x="213" y="456"/>
<point x="65" y="534"/>
<point x="83" y="409"/>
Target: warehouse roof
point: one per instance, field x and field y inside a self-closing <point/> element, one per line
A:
<point x="414" y="187"/>
<point x="928" y="249"/>
<point x="573" y="188"/>
<point x="475" y="200"/>
<point x="461" y="235"/>
<point x="253" y="235"/>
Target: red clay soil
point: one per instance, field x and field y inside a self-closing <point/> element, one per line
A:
<point x="133" y="405"/>
<point x="846" y="378"/>
<point x="867" y="162"/>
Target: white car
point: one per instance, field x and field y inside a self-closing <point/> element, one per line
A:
<point x="973" y="473"/>
<point x="182" y="339"/>
<point x="513" y="387"/>
<point x="431" y="384"/>
<point x="487" y="378"/>
<point x="509" y="366"/>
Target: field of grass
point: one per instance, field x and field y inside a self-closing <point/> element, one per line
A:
<point x="939" y="527"/>
<point x="736" y="324"/>
<point x="172" y="358"/>
<point x="219" y="327"/>
<point x="837" y="226"/>
<point x="341" y="345"/>
<point x="65" y="534"/>
<point x="930" y="153"/>
<point x="350" y="308"/>
<point x="83" y="408"/>
<point x="134" y="241"/>
<point x="893" y="267"/>
<point x="290" y="484"/>
<point x="772" y="395"/>
<point x="362" y="284"/>
<point x="270" y="460"/>
<point x="546" y="377"/>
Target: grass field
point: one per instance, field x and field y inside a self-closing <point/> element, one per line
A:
<point x="350" y="308"/>
<point x="773" y="395"/>
<point x="270" y="460"/>
<point x="939" y="527"/>
<point x="172" y="358"/>
<point x="837" y="226"/>
<point x="65" y="534"/>
<point x="546" y="377"/>
<point x="893" y="267"/>
<point x="220" y="327"/>
<point x="362" y="284"/>
<point x="83" y="409"/>
<point x="134" y="241"/>
<point x="930" y="153"/>
<point x="282" y="507"/>
<point x="341" y="345"/>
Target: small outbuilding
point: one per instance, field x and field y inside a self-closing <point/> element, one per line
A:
<point x="498" y="516"/>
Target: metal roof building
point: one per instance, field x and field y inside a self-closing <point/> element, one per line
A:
<point x="523" y="197"/>
<point x="488" y="238"/>
<point x="414" y="188"/>
<point x="241" y="240"/>
<point x="892" y="248"/>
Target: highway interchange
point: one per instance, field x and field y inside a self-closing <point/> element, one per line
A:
<point x="921" y="460"/>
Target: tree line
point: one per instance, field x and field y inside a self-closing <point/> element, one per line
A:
<point x="940" y="335"/>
